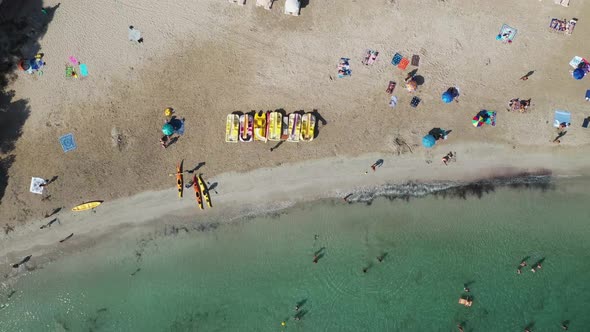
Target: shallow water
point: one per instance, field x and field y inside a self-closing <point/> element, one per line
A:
<point x="248" y="276"/>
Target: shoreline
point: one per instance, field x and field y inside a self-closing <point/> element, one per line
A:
<point x="268" y="190"/>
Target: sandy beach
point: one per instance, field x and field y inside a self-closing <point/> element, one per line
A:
<point x="210" y="58"/>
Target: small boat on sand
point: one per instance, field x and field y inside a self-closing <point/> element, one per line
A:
<point x="307" y="127"/>
<point x="246" y="126"/>
<point x="275" y="126"/>
<point x="260" y="126"/>
<point x="294" y="127"/>
<point x="232" y="128"/>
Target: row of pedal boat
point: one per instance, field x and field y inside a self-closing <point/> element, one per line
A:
<point x="270" y="126"/>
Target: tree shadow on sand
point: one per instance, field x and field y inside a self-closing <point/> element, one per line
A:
<point x="22" y="24"/>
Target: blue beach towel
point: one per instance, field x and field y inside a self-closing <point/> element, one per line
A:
<point x="561" y="116"/>
<point x="396" y="59"/>
<point x="83" y="70"/>
<point x="587" y="94"/>
<point x="67" y="142"/>
<point x="507" y="33"/>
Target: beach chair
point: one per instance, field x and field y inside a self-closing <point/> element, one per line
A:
<point x="239" y="2"/>
<point x="266" y="4"/>
<point x="390" y="87"/>
<point x="232" y="128"/>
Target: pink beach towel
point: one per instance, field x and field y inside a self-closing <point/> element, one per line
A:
<point x="73" y="60"/>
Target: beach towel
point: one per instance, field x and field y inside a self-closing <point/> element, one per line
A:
<point x="36" y="185"/>
<point x="83" y="70"/>
<point x="73" y="60"/>
<point x="586" y="122"/>
<point x="564" y="3"/>
<point x="561" y="116"/>
<point x="373" y="57"/>
<point x="344" y="68"/>
<point x="569" y="28"/>
<point x="393" y="101"/>
<point x="491" y="118"/>
<point x="587" y="95"/>
<point x="67" y="142"/>
<point x="69" y="71"/>
<point x="403" y="64"/>
<point x="414" y="102"/>
<point x="415" y="60"/>
<point x="507" y="34"/>
<point x="396" y="59"/>
<point x="575" y="62"/>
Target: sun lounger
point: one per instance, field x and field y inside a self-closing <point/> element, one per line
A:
<point x="260" y="126"/>
<point x="267" y="4"/>
<point x="507" y="34"/>
<point x="246" y="126"/>
<point x="396" y="59"/>
<point x="307" y="127"/>
<point x="232" y="128"/>
<point x="285" y="128"/>
<point x="294" y="127"/>
<point x="390" y="87"/>
<point x="415" y="60"/>
<point x="239" y="2"/>
<point x="275" y="126"/>
<point x="560" y="117"/>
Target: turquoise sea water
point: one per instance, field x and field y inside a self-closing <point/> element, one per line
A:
<point x="248" y="276"/>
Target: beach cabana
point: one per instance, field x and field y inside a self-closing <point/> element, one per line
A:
<point x="292" y="7"/>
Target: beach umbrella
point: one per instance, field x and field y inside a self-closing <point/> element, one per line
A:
<point x="578" y="73"/>
<point x="167" y="129"/>
<point x="428" y="141"/>
<point x="478" y="121"/>
<point x="411" y="85"/>
<point x="447" y="97"/>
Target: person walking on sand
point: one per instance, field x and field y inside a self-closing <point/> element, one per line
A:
<point x="378" y="163"/>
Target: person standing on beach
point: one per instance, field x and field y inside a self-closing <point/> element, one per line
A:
<point x="378" y="163"/>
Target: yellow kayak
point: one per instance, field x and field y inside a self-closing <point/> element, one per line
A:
<point x="204" y="190"/>
<point x="86" y="206"/>
<point x="260" y="126"/>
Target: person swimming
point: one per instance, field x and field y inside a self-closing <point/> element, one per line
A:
<point x="465" y="288"/>
<point x="518" y="271"/>
<point x="316" y="259"/>
<point x="523" y="264"/>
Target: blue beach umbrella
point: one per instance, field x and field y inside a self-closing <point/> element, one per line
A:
<point x="428" y="141"/>
<point x="578" y="73"/>
<point x="167" y="129"/>
<point x="447" y="97"/>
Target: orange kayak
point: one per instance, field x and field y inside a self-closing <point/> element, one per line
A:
<point x="198" y="194"/>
